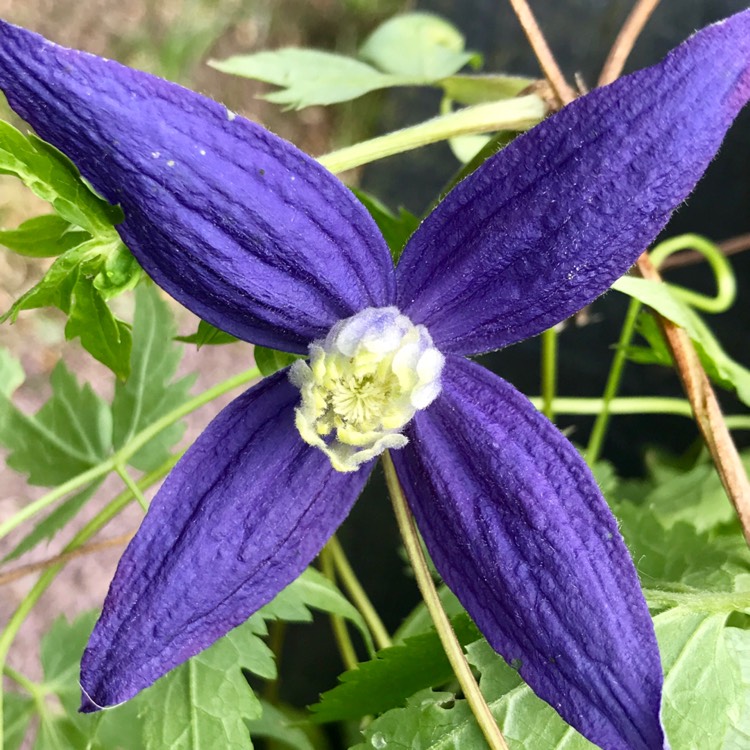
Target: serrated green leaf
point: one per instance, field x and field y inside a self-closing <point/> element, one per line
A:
<point x="53" y="522"/>
<point x="312" y="590"/>
<point x="719" y="365"/>
<point x="275" y="724"/>
<point x="679" y="557"/>
<point x="269" y="361"/>
<point x="102" y="335"/>
<point x="43" y="237"/>
<point x="150" y="392"/>
<point x="393" y="675"/>
<point x="420" y="45"/>
<point x="207" y="334"/>
<point x="309" y="77"/>
<point x="396" y="229"/>
<point x="55" y="289"/>
<point x="696" y="497"/>
<point x="203" y="703"/>
<point x="737" y="644"/>
<point x="71" y="433"/>
<point x="52" y="176"/>
<point x="484" y="88"/>
<point x="17" y="713"/>
<point x="77" y="283"/>
<point x="703" y="692"/>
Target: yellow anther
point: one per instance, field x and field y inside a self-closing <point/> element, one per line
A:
<point x="363" y="383"/>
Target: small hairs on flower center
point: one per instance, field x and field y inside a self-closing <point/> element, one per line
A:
<point x="363" y="383"/>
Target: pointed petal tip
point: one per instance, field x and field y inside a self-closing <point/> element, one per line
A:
<point x="545" y="226"/>
<point x="88" y="705"/>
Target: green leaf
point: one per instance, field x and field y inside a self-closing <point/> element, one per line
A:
<point x="52" y="176"/>
<point x="270" y="361"/>
<point x="737" y="643"/>
<point x="393" y="675"/>
<point x="207" y="334"/>
<point x="419" y="45"/>
<point x="53" y="522"/>
<point x="17" y="713"/>
<point x="78" y="283"/>
<point x="43" y="237"/>
<point x="396" y="229"/>
<point x="719" y="365"/>
<point x="703" y="693"/>
<point x="150" y="391"/>
<point x="312" y="590"/>
<point x="71" y="433"/>
<point x="696" y="497"/>
<point x="102" y="335"/>
<point x="203" y="703"/>
<point x="278" y="725"/>
<point x="309" y="77"/>
<point x="484" y="88"/>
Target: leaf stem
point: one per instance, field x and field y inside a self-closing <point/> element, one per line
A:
<point x="549" y="372"/>
<point x="447" y="636"/>
<point x="519" y="113"/>
<point x="30" y="687"/>
<point x="132" y="486"/>
<point x="357" y="593"/>
<point x="340" y="633"/>
<point x="614" y="378"/>
<point x="128" y="450"/>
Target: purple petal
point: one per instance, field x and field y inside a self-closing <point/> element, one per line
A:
<point x="544" y="227"/>
<point x="238" y="225"/>
<point x="238" y="519"/>
<point x="517" y="527"/>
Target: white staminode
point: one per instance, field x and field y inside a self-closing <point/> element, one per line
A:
<point x="363" y="384"/>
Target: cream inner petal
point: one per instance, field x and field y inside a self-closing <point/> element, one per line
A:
<point x="363" y="383"/>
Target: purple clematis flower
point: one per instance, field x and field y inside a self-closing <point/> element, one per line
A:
<point x="259" y="240"/>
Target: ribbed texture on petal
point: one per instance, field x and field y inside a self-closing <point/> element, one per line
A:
<point x="518" y="529"/>
<point x="546" y="225"/>
<point x="238" y="225"/>
<point x="239" y="518"/>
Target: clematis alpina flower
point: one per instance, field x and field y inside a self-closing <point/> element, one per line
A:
<point x="258" y="239"/>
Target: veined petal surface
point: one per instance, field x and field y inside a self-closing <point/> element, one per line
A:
<point x="518" y="529"/>
<point x="239" y="518"/>
<point x="238" y="225"/>
<point x="546" y="225"/>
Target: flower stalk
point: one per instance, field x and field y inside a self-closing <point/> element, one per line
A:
<point x="445" y="632"/>
<point x="520" y="113"/>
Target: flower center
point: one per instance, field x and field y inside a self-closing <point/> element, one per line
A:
<point x="363" y="384"/>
